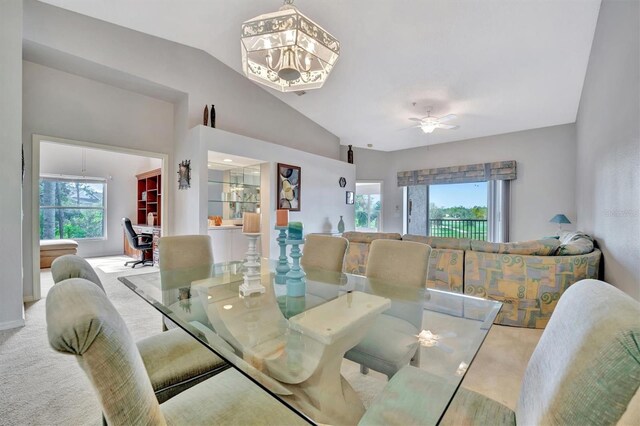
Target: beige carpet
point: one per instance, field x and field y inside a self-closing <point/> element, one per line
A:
<point x="42" y="387"/>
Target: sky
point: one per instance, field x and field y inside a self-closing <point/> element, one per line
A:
<point x="459" y="194"/>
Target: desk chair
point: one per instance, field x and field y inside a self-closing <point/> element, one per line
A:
<point x="142" y="242"/>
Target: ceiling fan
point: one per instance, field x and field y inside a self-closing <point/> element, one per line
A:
<point x="428" y="124"/>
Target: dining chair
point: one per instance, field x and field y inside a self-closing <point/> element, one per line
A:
<point x="184" y="259"/>
<point x="324" y="252"/>
<point x="397" y="270"/>
<point x="142" y="242"/>
<point x="174" y="360"/>
<point x="82" y="321"/>
<point x="585" y="370"/>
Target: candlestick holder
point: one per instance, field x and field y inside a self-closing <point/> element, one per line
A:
<point x="251" y="282"/>
<point x="283" y="263"/>
<point x="296" y="282"/>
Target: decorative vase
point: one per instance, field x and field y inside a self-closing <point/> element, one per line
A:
<point x="350" y="155"/>
<point x="341" y="225"/>
<point x="205" y="116"/>
<point x="213" y="116"/>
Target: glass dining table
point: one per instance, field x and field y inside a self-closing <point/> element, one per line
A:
<point x="293" y="347"/>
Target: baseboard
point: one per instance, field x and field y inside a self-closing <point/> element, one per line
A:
<point x="12" y="324"/>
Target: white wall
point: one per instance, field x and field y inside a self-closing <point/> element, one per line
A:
<point x="63" y="105"/>
<point x="608" y="144"/>
<point x="11" y="310"/>
<point x="242" y="107"/>
<point x="322" y="199"/>
<point x="546" y="174"/>
<point x="120" y="171"/>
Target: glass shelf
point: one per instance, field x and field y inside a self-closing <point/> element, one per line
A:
<point x="237" y="184"/>
<point x="240" y="202"/>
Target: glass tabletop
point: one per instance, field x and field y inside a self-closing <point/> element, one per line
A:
<point x="293" y="347"/>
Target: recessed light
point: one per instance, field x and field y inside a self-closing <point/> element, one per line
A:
<point x="227" y="307"/>
<point x="228" y="160"/>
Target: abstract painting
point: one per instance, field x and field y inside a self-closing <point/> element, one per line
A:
<point x="289" y="178"/>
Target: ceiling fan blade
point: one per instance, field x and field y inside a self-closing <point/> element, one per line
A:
<point x="415" y="119"/>
<point x="410" y="127"/>
<point x="447" y="126"/>
<point x="448" y="117"/>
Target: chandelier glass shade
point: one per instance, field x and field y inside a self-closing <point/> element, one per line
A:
<point x="287" y="51"/>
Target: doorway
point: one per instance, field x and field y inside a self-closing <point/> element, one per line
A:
<point x="80" y="190"/>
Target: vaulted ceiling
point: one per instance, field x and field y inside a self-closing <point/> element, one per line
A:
<point x="499" y="65"/>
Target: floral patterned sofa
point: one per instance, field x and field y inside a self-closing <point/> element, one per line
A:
<point x="528" y="277"/>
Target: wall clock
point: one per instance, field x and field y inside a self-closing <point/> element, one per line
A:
<point x="342" y="182"/>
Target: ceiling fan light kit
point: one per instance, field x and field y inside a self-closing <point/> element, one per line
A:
<point x="429" y="123"/>
<point x="287" y="51"/>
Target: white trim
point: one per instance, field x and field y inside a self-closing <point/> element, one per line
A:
<point x="11" y="324"/>
<point x="35" y="194"/>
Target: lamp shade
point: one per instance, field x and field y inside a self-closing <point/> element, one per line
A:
<point x="559" y="218"/>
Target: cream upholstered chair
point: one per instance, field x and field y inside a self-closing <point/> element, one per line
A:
<point x="83" y="322"/>
<point x="324" y="252"/>
<point x="184" y="259"/>
<point x="174" y="360"/>
<point x="397" y="270"/>
<point x="585" y="370"/>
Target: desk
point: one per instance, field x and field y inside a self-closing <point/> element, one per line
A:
<point x="293" y="346"/>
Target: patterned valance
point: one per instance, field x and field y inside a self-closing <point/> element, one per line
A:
<point x="499" y="170"/>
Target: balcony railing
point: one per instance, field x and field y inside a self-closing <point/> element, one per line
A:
<point x="474" y="229"/>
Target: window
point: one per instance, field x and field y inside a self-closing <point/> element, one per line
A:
<point x="72" y="207"/>
<point x="369" y="206"/>
<point x="476" y="211"/>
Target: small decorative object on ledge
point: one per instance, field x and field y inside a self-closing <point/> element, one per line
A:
<point x="213" y="116"/>
<point x="341" y="225"/>
<point x="350" y="155"/>
<point x="205" y="117"/>
<point x="184" y="174"/>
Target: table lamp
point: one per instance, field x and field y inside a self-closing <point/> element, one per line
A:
<point x="559" y="219"/>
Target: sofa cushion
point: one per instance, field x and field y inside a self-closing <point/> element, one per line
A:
<point x="545" y="247"/>
<point x="46" y="245"/>
<point x="440" y="242"/>
<point x="367" y="237"/>
<point x="573" y="243"/>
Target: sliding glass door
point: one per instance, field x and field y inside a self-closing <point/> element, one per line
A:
<point x="477" y="210"/>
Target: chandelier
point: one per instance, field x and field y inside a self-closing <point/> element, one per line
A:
<point x="287" y="51"/>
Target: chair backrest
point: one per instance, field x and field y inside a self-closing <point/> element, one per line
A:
<point x="185" y="251"/>
<point x="129" y="232"/>
<point x="398" y="270"/>
<point x="403" y="263"/>
<point x="586" y="366"/>
<point x="83" y="322"/>
<point x="73" y="266"/>
<point x="324" y="252"/>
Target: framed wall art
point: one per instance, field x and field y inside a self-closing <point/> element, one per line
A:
<point x="289" y="185"/>
<point x="349" y="197"/>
